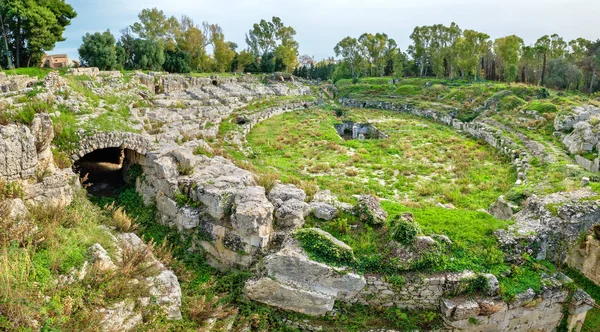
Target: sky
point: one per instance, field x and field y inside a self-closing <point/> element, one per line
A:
<point x="320" y="24"/>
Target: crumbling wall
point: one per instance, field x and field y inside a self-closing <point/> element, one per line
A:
<point x="586" y="258"/>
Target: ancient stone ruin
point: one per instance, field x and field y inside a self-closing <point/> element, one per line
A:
<point x="236" y="220"/>
<point x="361" y="131"/>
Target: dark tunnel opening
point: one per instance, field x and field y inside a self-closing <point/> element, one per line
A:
<point x="103" y="171"/>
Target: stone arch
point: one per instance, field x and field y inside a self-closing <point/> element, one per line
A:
<point x="130" y="141"/>
<point x="103" y="161"/>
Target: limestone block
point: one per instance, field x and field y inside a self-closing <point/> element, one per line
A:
<point x="324" y="211"/>
<point x="253" y="213"/>
<point x="284" y="192"/>
<point x="292" y="266"/>
<point x="274" y="293"/>
<point x="291" y="213"/>
<point x="369" y="209"/>
<point x="187" y="218"/>
<point x="466" y="309"/>
<point x="165" y="288"/>
<point x="121" y="316"/>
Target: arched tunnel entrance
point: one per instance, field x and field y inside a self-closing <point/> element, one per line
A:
<point x="104" y="171"/>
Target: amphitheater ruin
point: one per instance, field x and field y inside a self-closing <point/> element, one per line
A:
<point x="190" y="136"/>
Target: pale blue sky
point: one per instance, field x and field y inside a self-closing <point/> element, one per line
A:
<point x="320" y="24"/>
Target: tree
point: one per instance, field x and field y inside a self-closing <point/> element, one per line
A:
<point x="155" y="25"/>
<point x="287" y="51"/>
<point x="33" y="27"/>
<point x="349" y="49"/>
<point x="224" y="52"/>
<point x="508" y="50"/>
<point x="263" y="36"/>
<point x="420" y="50"/>
<point x="177" y="61"/>
<point x="527" y="64"/>
<point x="563" y="74"/>
<point x="98" y="50"/>
<point x="274" y="37"/>
<point x="148" y="54"/>
<point x="125" y="49"/>
<point x="470" y="48"/>
<point x="244" y="59"/>
<point x="542" y="47"/>
<point x="193" y="41"/>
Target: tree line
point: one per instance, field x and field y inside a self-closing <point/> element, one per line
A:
<point x="450" y="52"/>
<point x="157" y="42"/>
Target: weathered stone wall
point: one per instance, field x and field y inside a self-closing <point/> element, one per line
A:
<point x="592" y="166"/>
<point x="13" y="83"/>
<point x="586" y="258"/>
<point x="125" y="140"/>
<point x="528" y="312"/>
<point x="417" y="291"/>
<point x="26" y="159"/>
<point x="89" y="71"/>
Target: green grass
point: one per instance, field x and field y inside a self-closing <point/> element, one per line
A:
<point x="40" y="73"/>
<point x="422" y="162"/>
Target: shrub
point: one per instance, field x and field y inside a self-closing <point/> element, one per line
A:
<point x="121" y="221"/>
<point x="478" y="285"/>
<point x="404" y="231"/>
<point x="185" y="168"/>
<point x="61" y="159"/>
<point x="542" y="107"/>
<point x="267" y="180"/>
<point x="321" y="246"/>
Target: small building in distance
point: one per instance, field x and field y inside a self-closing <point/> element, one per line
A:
<point x="56" y="61"/>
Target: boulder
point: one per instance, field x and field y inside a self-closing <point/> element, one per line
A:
<point x="291" y="214"/>
<point x="121" y="316"/>
<point x="583" y="138"/>
<point x="43" y="132"/>
<point x="325" y="196"/>
<point x="281" y="193"/>
<point x="253" y="213"/>
<point x="465" y="309"/>
<point x="18" y="151"/>
<point x="292" y="266"/>
<point x="323" y="210"/>
<point x="274" y="293"/>
<point x="165" y="288"/>
<point x="101" y="261"/>
<point x="368" y="210"/>
<point x="501" y="209"/>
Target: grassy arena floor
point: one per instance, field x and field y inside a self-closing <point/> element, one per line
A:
<point x="420" y="164"/>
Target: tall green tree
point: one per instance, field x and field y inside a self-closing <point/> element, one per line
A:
<point x="148" y="54"/>
<point x="470" y="49"/>
<point x="508" y="52"/>
<point x="542" y="47"/>
<point x="224" y="52"/>
<point x="156" y="26"/>
<point x="287" y="50"/>
<point x="349" y="49"/>
<point x="274" y="37"/>
<point x="192" y="40"/>
<point x="34" y="27"/>
<point x="263" y="36"/>
<point x="420" y="50"/>
<point x="98" y="50"/>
